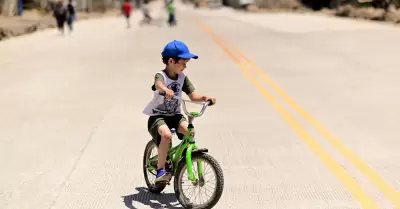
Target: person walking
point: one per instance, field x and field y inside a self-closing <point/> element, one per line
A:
<point x="60" y="14"/>
<point x="71" y="15"/>
<point x="146" y="12"/>
<point x="127" y="10"/>
<point x="171" y="13"/>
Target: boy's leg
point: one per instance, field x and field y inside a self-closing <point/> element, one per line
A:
<point x="159" y="130"/>
<point x="166" y="138"/>
<point x="161" y="135"/>
<point x="183" y="127"/>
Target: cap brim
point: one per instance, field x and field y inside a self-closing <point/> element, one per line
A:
<point x="188" y="56"/>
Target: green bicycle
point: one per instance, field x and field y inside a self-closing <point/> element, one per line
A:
<point x="182" y="158"/>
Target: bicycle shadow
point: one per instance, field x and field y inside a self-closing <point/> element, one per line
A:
<point x="163" y="200"/>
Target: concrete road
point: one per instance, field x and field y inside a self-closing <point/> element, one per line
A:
<point x="306" y="117"/>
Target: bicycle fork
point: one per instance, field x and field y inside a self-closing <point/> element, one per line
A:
<point x="200" y="169"/>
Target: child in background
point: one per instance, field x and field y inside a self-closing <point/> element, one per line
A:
<point x="127" y="9"/>
<point x="171" y="13"/>
<point x="146" y="12"/>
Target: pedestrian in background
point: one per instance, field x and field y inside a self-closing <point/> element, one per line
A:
<point x="71" y="15"/>
<point x="146" y="12"/>
<point x="127" y="10"/>
<point x="60" y="14"/>
<point x="171" y="13"/>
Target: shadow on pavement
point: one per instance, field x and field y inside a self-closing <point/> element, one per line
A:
<point x="159" y="22"/>
<point x="152" y="200"/>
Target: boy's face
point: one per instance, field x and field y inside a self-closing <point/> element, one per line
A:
<point x="178" y="67"/>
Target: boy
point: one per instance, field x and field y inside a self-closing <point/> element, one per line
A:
<point x="165" y="112"/>
<point x="127" y="9"/>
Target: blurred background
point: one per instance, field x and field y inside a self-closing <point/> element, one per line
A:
<point x="17" y="7"/>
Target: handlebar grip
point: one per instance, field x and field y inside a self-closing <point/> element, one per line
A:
<point x="210" y="102"/>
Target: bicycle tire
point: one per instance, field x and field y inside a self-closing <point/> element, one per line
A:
<point x="154" y="188"/>
<point x="219" y="178"/>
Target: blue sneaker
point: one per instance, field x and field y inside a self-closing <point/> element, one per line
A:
<point x="162" y="176"/>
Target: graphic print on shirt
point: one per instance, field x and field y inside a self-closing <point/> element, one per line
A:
<point x="170" y="105"/>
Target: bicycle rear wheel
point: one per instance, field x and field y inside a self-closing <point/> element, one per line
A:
<point x="182" y="183"/>
<point x="149" y="173"/>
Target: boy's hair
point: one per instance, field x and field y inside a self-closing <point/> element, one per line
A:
<point x="165" y="59"/>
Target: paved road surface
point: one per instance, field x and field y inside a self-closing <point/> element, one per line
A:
<point x="307" y="113"/>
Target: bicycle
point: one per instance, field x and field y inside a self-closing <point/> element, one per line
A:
<point x="181" y="158"/>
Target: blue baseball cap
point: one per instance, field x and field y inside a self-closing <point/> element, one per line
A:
<point x="177" y="49"/>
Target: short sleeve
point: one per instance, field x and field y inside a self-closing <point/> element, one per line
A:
<point x="188" y="86"/>
<point x="157" y="77"/>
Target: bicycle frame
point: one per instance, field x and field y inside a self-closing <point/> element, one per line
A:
<point x="188" y="143"/>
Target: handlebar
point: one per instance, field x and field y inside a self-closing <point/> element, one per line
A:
<point x="205" y="105"/>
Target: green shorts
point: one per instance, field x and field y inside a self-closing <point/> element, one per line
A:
<point x="156" y="121"/>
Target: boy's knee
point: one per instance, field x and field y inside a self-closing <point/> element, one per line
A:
<point x="166" y="137"/>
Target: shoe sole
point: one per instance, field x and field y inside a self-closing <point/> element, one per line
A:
<point x="165" y="178"/>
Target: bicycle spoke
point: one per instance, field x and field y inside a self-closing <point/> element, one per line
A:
<point x="211" y="180"/>
<point x="201" y="192"/>
<point x="201" y="199"/>
<point x="152" y="176"/>
<point x="205" y="191"/>
<point x="205" y="187"/>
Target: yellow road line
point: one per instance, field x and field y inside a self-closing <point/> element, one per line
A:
<point x="389" y="191"/>
<point x="355" y="189"/>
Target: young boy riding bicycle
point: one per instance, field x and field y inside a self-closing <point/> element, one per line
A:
<point x="165" y="112"/>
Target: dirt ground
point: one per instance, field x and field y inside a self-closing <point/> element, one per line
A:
<point x="368" y="14"/>
<point x="32" y="21"/>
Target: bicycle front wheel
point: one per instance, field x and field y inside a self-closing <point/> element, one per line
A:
<point x="209" y="183"/>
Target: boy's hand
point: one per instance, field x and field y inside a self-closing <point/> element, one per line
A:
<point x="213" y="100"/>
<point x="168" y="93"/>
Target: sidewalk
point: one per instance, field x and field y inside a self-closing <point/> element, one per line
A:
<point x="32" y="21"/>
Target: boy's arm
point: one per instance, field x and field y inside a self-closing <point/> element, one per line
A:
<point x="189" y="89"/>
<point x="197" y="97"/>
<point x="159" y="83"/>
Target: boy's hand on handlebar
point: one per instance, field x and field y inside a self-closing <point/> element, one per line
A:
<point x="168" y="93"/>
<point x="212" y="99"/>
